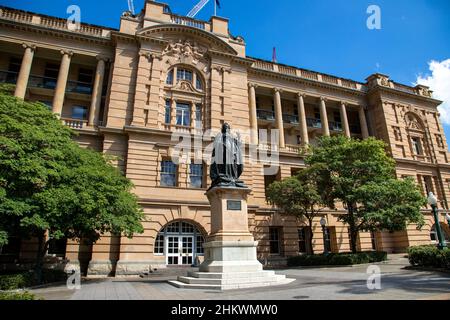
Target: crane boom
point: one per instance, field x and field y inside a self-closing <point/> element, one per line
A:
<point x="199" y="6"/>
<point x="131" y="6"/>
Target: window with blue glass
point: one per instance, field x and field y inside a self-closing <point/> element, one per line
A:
<point x="196" y="175"/>
<point x="79" y="112"/>
<point x="184" y="74"/>
<point x="170" y="78"/>
<point x="199" y="83"/>
<point x="168" y="174"/>
<point x="183" y="115"/>
<point x="167" y="112"/>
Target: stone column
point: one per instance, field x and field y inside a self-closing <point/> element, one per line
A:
<point x="94" y="110"/>
<point x="344" y="120"/>
<point x="279" y="116"/>
<point x="60" y="90"/>
<point x="253" y="114"/>
<point x="363" y="122"/>
<point x="193" y="107"/>
<point x="173" y="113"/>
<point x="25" y="68"/>
<point x="302" y="119"/>
<point x="324" y="117"/>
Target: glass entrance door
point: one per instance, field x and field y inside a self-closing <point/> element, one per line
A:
<point x="180" y="250"/>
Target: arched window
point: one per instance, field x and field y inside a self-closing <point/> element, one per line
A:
<point x="185" y="74"/>
<point x="416" y="136"/>
<point x="181" y="242"/>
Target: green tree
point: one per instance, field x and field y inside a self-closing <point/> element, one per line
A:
<point x="51" y="188"/>
<point x="361" y="176"/>
<point x="298" y="196"/>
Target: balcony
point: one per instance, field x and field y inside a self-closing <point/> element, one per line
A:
<point x="79" y="87"/>
<point x="267" y="115"/>
<point x="290" y="118"/>
<point x="314" y="123"/>
<point x="42" y="82"/>
<point x="335" y="126"/>
<point x="74" y="123"/>
<point x="8" y="77"/>
<point x="185" y="21"/>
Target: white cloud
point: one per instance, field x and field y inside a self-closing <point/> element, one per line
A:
<point x="439" y="82"/>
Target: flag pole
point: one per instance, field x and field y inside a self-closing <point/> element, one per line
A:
<point x="215" y="8"/>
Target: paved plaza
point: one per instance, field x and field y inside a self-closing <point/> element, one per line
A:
<point x="337" y="283"/>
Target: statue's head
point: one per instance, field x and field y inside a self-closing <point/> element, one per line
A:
<point x="226" y="128"/>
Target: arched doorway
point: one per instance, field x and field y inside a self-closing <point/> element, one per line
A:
<point x="181" y="243"/>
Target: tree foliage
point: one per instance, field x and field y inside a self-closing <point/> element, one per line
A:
<point x="361" y="175"/>
<point x="51" y="186"/>
<point x="297" y="196"/>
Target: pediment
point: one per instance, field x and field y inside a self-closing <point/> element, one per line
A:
<point x="173" y="33"/>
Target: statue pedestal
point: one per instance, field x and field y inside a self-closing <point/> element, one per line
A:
<point x="230" y="251"/>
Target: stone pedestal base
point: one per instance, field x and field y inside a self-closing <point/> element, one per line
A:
<point x="230" y="254"/>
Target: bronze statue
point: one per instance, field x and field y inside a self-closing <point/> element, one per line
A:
<point x="226" y="163"/>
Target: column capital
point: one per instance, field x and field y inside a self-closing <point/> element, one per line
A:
<point x="277" y="90"/>
<point x="66" y="52"/>
<point x="252" y="85"/>
<point x="324" y="99"/>
<point x="29" y="45"/>
<point x="301" y="95"/>
<point x="101" y="57"/>
<point x="344" y="103"/>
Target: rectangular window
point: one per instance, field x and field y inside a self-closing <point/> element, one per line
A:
<point x="168" y="174"/>
<point x="159" y="244"/>
<point x="196" y="175"/>
<point x="183" y="74"/>
<point x="57" y="247"/>
<point x="337" y="116"/>
<point x="183" y="115"/>
<point x="13" y="70"/>
<point x="274" y="239"/>
<point x="302" y="240"/>
<point x="316" y="113"/>
<point x="50" y="75"/>
<point x="167" y="114"/>
<point x="416" y="145"/>
<point x="199" y="249"/>
<point x="85" y="75"/>
<point x="79" y="112"/>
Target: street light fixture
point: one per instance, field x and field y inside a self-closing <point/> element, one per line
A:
<point x="323" y="223"/>
<point x="433" y="201"/>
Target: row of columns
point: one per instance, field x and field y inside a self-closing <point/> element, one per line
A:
<point x="61" y="83"/>
<point x="302" y="117"/>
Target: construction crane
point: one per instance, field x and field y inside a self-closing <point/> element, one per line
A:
<point x="131" y="6"/>
<point x="199" y="6"/>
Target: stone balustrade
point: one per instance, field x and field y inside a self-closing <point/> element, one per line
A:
<point x="51" y="22"/>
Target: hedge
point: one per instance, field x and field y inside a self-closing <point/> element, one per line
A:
<point x="17" y="296"/>
<point x="337" y="259"/>
<point x="429" y="256"/>
<point x="13" y="281"/>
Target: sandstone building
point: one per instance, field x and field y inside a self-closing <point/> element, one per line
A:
<point x="126" y="91"/>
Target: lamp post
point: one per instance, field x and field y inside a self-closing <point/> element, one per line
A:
<point x="323" y="223"/>
<point x="432" y="201"/>
<point x="447" y="216"/>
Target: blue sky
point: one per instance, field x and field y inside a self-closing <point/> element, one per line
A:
<point x="328" y="36"/>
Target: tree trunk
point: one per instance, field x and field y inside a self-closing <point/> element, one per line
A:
<point x="353" y="231"/>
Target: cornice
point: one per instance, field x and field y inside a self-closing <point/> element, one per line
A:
<point x="308" y="82"/>
<point x="403" y="94"/>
